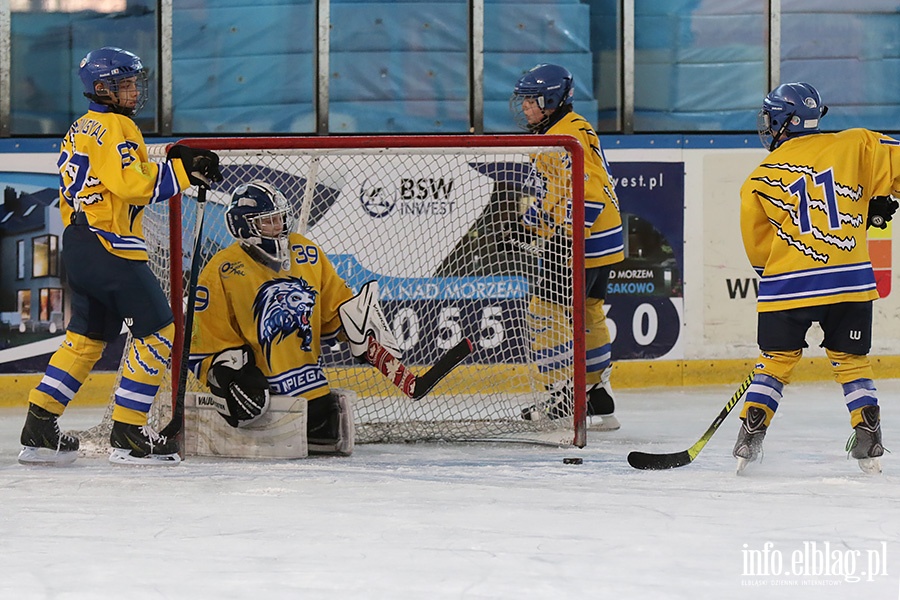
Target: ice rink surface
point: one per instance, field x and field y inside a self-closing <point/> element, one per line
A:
<point x="451" y="521"/>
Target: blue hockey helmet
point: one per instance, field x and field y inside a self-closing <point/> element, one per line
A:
<point x="789" y="110"/>
<point x="551" y="87"/>
<point x="107" y="75"/>
<point x="261" y="216"/>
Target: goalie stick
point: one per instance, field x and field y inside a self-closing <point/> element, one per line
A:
<point x="657" y="462"/>
<point x="175" y="425"/>
<point x="415" y="386"/>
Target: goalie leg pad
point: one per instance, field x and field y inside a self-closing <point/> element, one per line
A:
<point x="361" y="317"/>
<point x="279" y="433"/>
<point x="330" y="428"/>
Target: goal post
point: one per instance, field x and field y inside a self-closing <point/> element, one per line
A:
<point x="428" y="218"/>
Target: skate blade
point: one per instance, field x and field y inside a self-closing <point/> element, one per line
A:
<point x="741" y="465"/>
<point x="607" y="423"/>
<point x="46" y="457"/>
<point x="119" y="456"/>
<point x="870" y="466"/>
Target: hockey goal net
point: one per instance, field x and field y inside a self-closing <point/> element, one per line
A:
<point x="424" y="216"/>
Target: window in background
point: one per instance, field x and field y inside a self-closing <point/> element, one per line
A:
<point x="518" y="36"/>
<point x="20" y="259"/>
<point x="239" y="69"/>
<point x="23" y="302"/>
<point x="44" y="256"/>
<point x="852" y="59"/>
<point x="605" y="44"/>
<point x="100" y="6"/>
<point x="51" y="304"/>
<point x="49" y="39"/>
<point x="699" y="65"/>
<point x="399" y="68"/>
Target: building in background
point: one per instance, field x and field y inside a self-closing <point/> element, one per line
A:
<point x="32" y="296"/>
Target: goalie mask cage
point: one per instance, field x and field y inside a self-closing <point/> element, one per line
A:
<point x="428" y="217"/>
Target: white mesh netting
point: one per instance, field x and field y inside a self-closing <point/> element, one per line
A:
<point x="428" y="224"/>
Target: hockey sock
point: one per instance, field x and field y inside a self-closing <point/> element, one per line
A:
<point x="145" y="363"/>
<point x="551" y="340"/>
<point x="597" y="340"/>
<point x="847" y="368"/>
<point x="778" y="364"/>
<point x="858" y="395"/>
<point x="764" y="392"/>
<point x="69" y="367"/>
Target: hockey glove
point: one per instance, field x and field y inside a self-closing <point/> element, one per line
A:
<point x="202" y="166"/>
<point x="235" y="377"/>
<point x="881" y="210"/>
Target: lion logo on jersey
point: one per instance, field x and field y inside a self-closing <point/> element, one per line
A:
<point x="284" y="306"/>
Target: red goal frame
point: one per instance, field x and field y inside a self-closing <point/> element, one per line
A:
<point x="409" y="141"/>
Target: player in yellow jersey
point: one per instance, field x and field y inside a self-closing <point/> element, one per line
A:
<point x="542" y="103"/>
<point x="106" y="179"/>
<point x="265" y="306"/>
<point x="804" y="215"/>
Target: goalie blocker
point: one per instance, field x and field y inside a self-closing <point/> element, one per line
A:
<point x="371" y="340"/>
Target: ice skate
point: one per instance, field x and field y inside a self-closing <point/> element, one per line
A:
<point x="560" y="405"/>
<point x="141" y="445"/>
<point x="601" y="404"/>
<point x="43" y="443"/>
<point x="865" y="442"/>
<point x="750" y="438"/>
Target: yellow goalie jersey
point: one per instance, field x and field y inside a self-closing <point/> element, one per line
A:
<point x="283" y="316"/>
<point x="803" y="217"/>
<point x="603" y="243"/>
<point x="105" y="172"/>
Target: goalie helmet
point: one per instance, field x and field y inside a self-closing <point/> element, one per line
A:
<point x="789" y="110"/>
<point x="549" y="88"/>
<point x="261" y="217"/>
<point x="116" y="78"/>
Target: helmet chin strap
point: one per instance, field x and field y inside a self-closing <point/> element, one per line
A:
<point x="279" y="261"/>
<point x="551" y="119"/>
<point x="781" y="130"/>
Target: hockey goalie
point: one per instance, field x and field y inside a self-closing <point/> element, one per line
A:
<point x="265" y="306"/>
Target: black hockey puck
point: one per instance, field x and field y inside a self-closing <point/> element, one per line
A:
<point x="573" y="460"/>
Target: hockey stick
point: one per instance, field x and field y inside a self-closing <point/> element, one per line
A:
<point x="175" y="425"/>
<point x="415" y="386"/>
<point x="656" y="462"/>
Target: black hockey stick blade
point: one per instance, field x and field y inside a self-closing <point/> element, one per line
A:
<point x="649" y="461"/>
<point x="448" y="362"/>
<point x="658" y="462"/>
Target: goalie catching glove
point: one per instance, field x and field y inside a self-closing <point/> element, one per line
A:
<point x="234" y="377"/>
<point x="881" y="210"/>
<point x="362" y="317"/>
